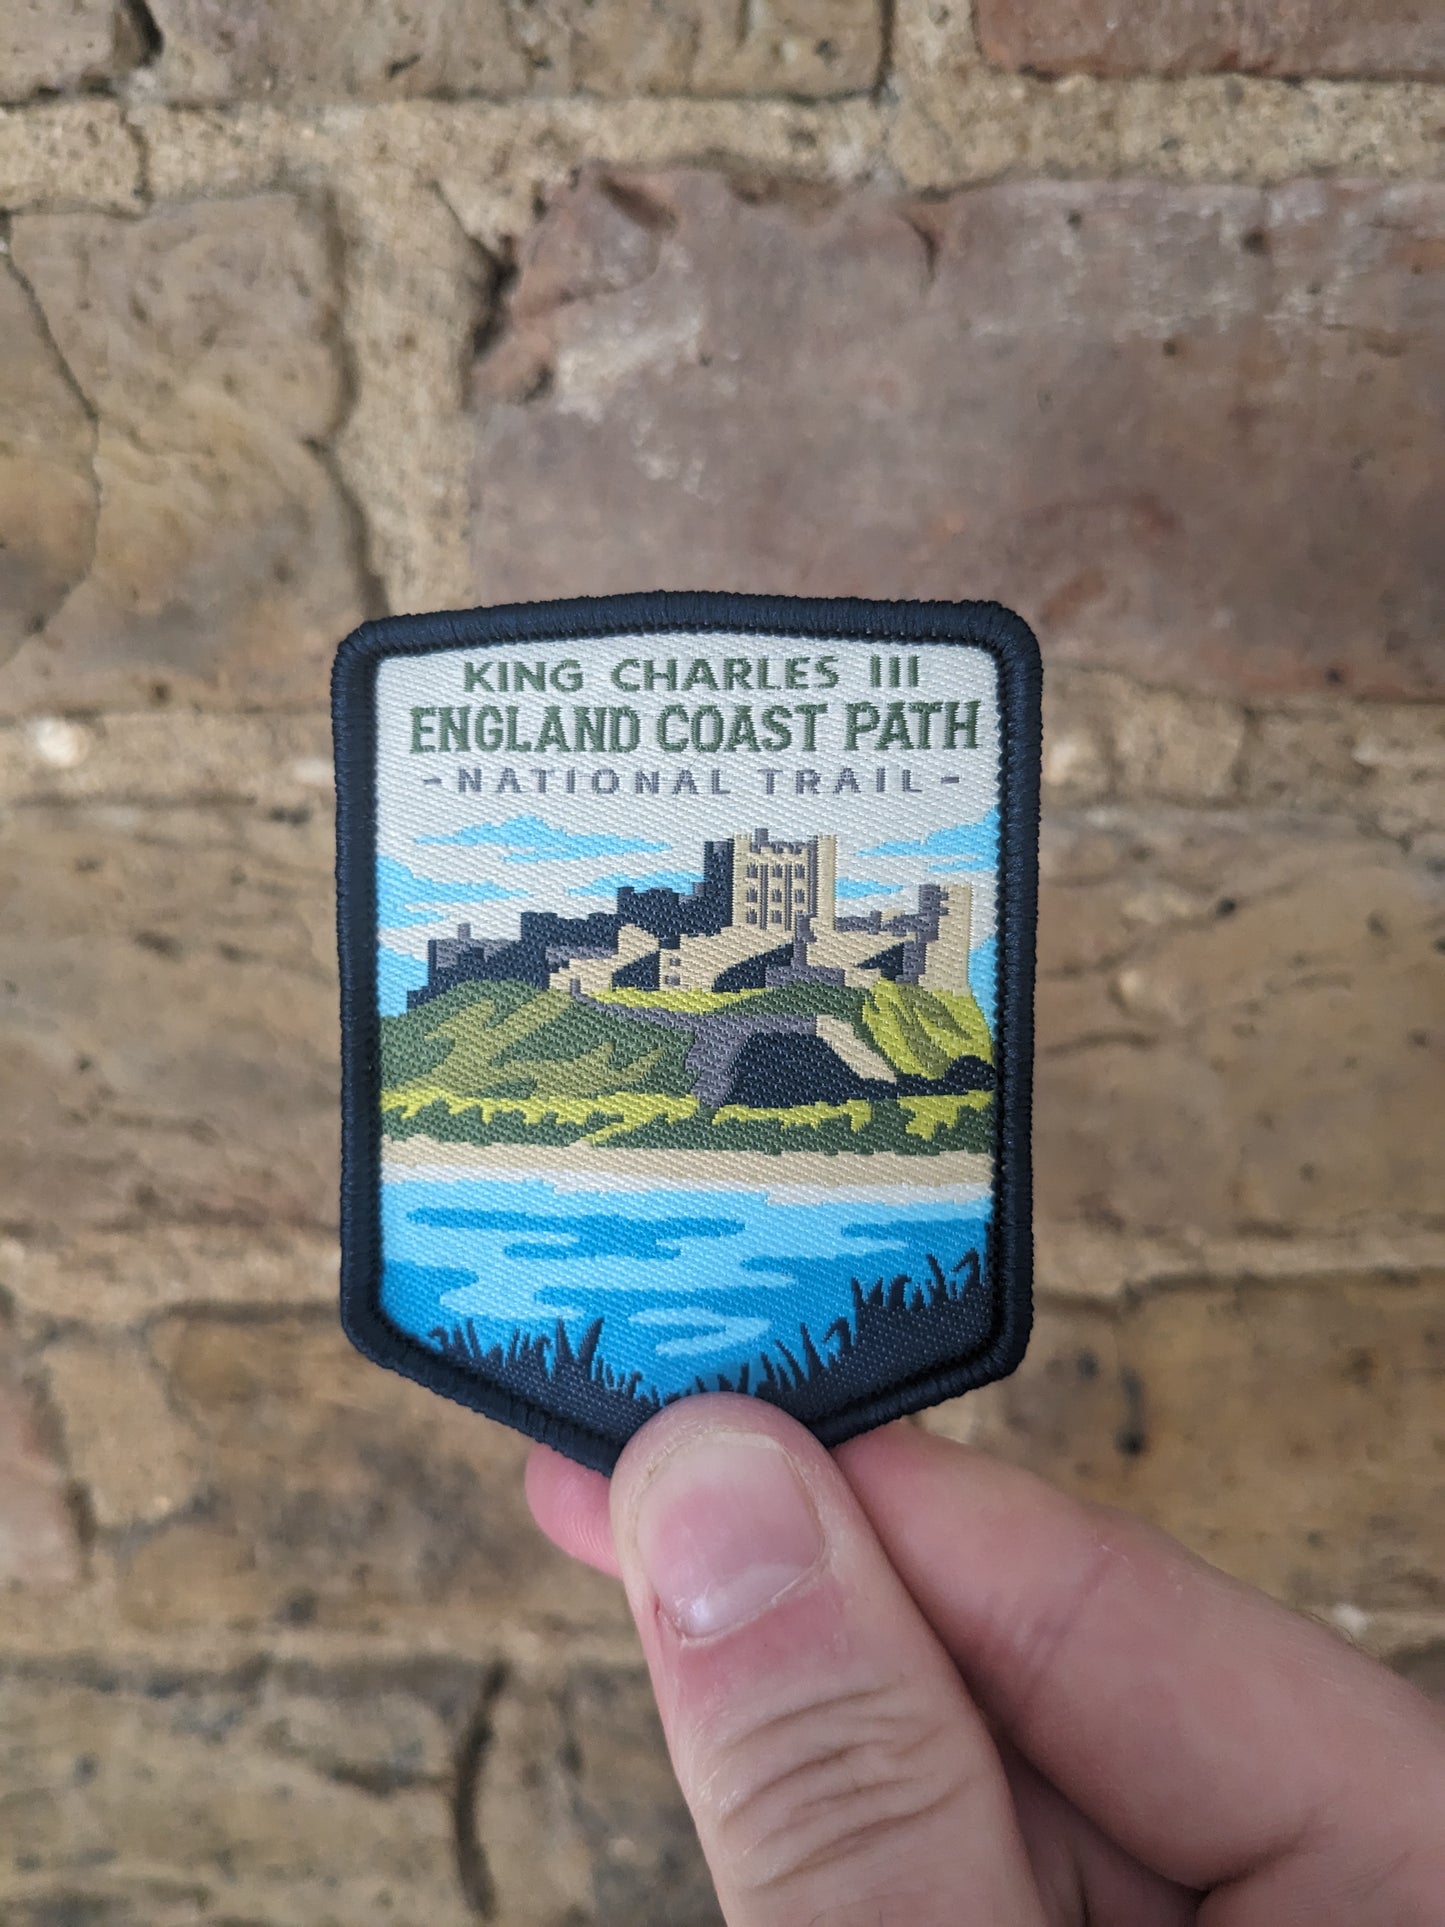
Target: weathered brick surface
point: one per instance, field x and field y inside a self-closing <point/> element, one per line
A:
<point x="39" y="1544"/>
<point x="161" y="758"/>
<point x="1388" y="763"/>
<point x="47" y="484"/>
<point x="166" y="1798"/>
<point x="114" y="1278"/>
<point x="168" y="956"/>
<point x="1239" y="1026"/>
<point x="1188" y="428"/>
<point x="960" y="120"/>
<point x="350" y="47"/>
<point x="137" y="1461"/>
<point x="68" y="152"/>
<point x="172" y="965"/>
<point x="578" y="1817"/>
<point x="1190" y="431"/>
<point x="225" y="564"/>
<point x="338" y="1497"/>
<point x="312" y="1797"/>
<point x="48" y="45"/>
<point x="216" y="52"/>
<point x="1108" y="736"/>
<point x="1327" y="37"/>
<point x="1291" y="1433"/>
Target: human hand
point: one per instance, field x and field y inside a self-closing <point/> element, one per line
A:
<point x="905" y="1683"/>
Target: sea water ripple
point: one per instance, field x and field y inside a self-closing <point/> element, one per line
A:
<point x="684" y="1279"/>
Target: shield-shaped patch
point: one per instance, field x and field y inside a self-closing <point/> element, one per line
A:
<point x="687" y="968"/>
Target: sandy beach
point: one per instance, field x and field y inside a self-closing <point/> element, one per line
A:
<point x="590" y="1167"/>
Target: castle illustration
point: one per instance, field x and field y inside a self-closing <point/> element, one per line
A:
<point x="764" y="915"/>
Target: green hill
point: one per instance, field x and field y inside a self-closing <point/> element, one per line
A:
<point x="921" y="1032"/>
<point x="489" y="1062"/>
<point x="513" y="1040"/>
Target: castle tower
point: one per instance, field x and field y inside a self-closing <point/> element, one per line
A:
<point x="777" y="883"/>
<point x="946" y="963"/>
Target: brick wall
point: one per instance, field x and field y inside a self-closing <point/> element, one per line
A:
<point x="314" y="312"/>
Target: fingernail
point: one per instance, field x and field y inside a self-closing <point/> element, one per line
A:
<point x="723" y="1529"/>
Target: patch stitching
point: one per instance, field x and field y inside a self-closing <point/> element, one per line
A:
<point x="986" y="626"/>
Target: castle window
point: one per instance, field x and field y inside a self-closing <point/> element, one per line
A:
<point x="752" y="896"/>
<point x="777" y="869"/>
<point x="777" y="916"/>
<point x="752" y="869"/>
<point x="800" y="896"/>
<point x="752" y="916"/>
<point x="777" y="896"/>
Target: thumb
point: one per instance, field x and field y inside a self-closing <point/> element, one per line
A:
<point x="834" y="1765"/>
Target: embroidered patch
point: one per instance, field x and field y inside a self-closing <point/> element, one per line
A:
<point x="687" y="972"/>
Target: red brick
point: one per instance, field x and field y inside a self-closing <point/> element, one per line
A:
<point x="1376" y="38"/>
<point x="1192" y="432"/>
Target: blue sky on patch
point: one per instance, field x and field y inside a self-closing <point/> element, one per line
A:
<point x="403" y="898"/>
<point x="983" y="978"/>
<point x="527" y="839"/>
<point x="976" y="841"/>
<point x="396" y="974"/>
<point x="653" y="880"/>
<point x="860" y="887"/>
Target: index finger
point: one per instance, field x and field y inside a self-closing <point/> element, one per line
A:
<point x="1217" y="1736"/>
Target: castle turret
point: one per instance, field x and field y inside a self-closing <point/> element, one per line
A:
<point x="776" y="883"/>
<point x="946" y="962"/>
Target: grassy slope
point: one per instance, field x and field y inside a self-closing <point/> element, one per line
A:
<point x="493" y="1040"/>
<point x="505" y="1061"/>
<point x="923" y="1031"/>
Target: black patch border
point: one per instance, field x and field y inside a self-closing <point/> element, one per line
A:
<point x="841" y="621"/>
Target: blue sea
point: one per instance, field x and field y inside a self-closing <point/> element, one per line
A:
<point x="686" y="1281"/>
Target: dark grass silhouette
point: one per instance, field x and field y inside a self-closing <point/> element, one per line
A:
<point x="553" y="1373"/>
<point x="898" y="1328"/>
